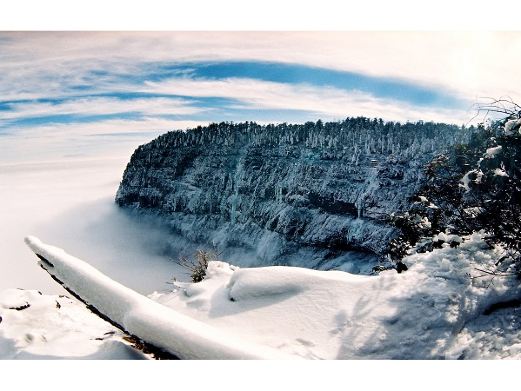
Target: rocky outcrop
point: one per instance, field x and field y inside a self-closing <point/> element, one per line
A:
<point x="278" y="191"/>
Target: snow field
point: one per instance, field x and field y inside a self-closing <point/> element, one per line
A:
<point x="435" y="310"/>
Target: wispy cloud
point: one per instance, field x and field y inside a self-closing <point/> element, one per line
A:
<point x="104" y="138"/>
<point x="324" y="102"/>
<point x="471" y="63"/>
<point x="384" y="87"/>
<point x="145" y="83"/>
<point x="96" y="106"/>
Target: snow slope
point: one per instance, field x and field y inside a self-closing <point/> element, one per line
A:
<point x="431" y="311"/>
<point x="434" y="310"/>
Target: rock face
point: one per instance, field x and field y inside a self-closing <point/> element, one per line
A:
<point x="288" y="194"/>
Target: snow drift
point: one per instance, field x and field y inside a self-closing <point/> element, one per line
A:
<point x="442" y="307"/>
<point x="435" y="310"/>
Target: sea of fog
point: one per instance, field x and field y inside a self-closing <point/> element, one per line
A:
<point x="62" y="190"/>
<point x="68" y="202"/>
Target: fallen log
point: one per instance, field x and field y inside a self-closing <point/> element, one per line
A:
<point x="155" y="327"/>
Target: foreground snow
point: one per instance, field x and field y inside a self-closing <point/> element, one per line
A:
<point x="142" y="317"/>
<point x="431" y="311"/>
<point x="36" y="326"/>
<point x="434" y="310"/>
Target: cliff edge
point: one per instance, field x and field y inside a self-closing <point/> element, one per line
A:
<point x="275" y="192"/>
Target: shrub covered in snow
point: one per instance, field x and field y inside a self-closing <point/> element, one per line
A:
<point x="476" y="186"/>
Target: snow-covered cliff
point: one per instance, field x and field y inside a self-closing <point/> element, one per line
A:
<point x="276" y="191"/>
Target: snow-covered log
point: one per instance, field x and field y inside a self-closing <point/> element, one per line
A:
<point x="142" y="317"/>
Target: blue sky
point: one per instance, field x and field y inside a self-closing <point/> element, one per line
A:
<point x="128" y="88"/>
<point x="66" y="85"/>
<point x="384" y="87"/>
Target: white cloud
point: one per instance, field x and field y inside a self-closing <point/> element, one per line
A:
<point x="102" y="106"/>
<point x="470" y="64"/>
<point x="84" y="140"/>
<point x="326" y="102"/>
<point x="106" y="127"/>
<point x="467" y="64"/>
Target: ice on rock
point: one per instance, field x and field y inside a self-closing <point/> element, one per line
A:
<point x="500" y="172"/>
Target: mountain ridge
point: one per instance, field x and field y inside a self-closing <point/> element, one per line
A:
<point x="277" y="190"/>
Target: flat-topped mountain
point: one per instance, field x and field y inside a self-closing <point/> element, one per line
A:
<point x="316" y="195"/>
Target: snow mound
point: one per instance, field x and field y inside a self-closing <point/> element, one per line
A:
<point x="512" y="125"/>
<point x="492" y="152"/>
<point x="423" y="313"/>
<point x="266" y="282"/>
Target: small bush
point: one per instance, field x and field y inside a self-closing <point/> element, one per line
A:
<point x="198" y="266"/>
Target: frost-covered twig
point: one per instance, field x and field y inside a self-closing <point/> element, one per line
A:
<point x="495" y="273"/>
